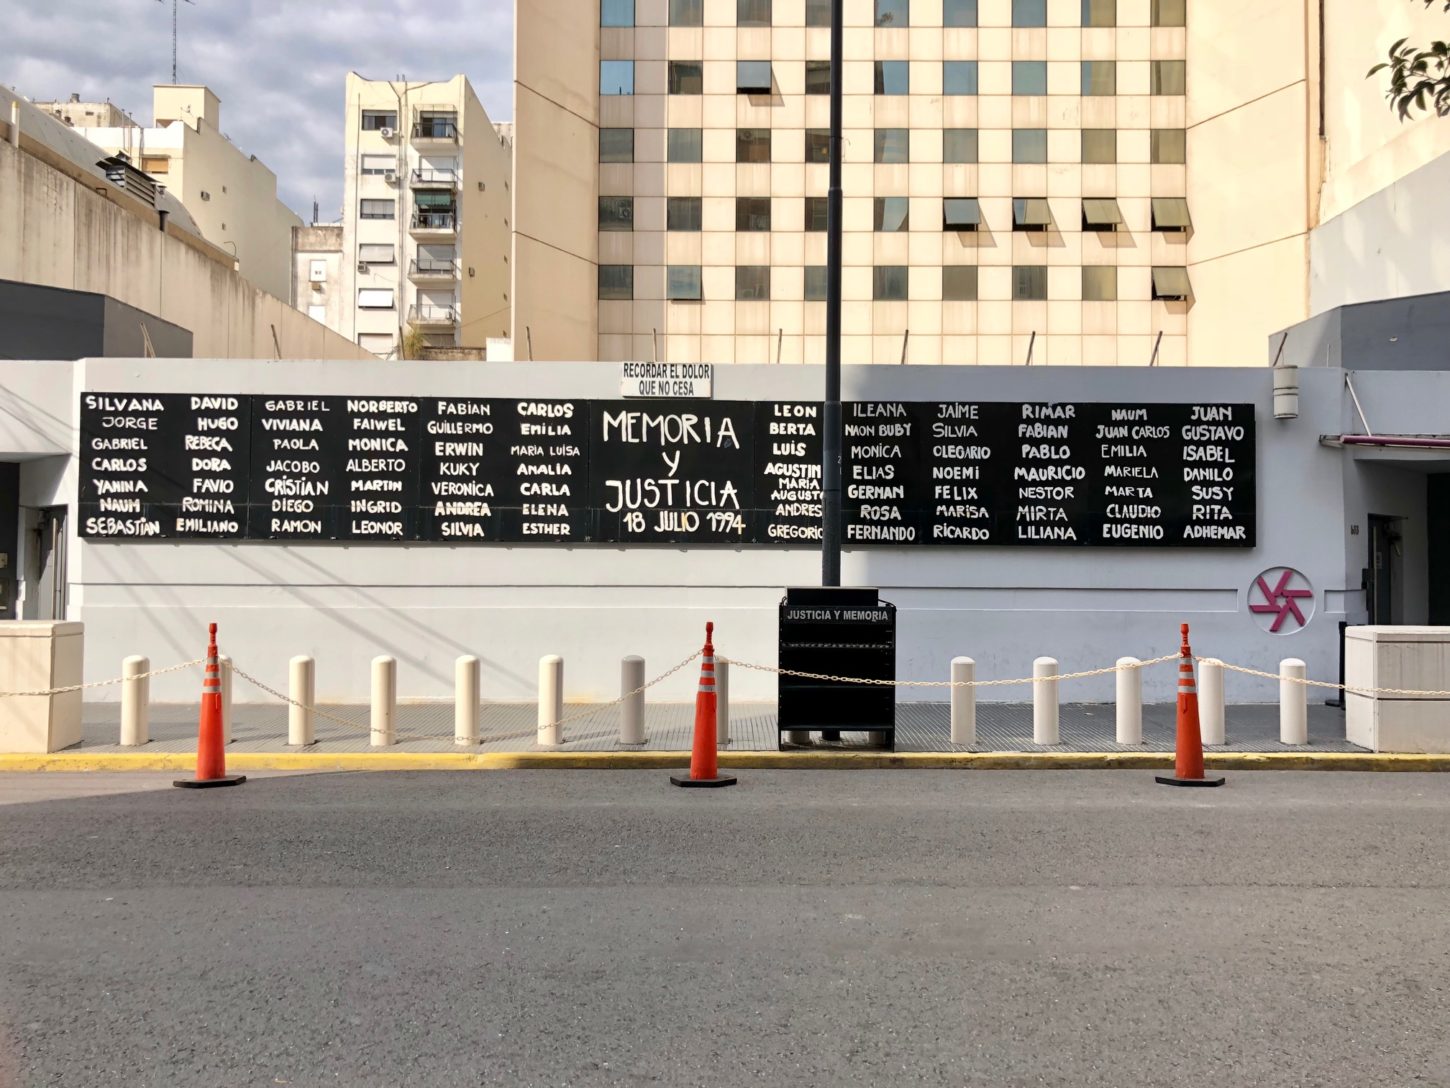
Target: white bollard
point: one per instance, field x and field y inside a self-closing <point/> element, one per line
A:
<point x="1210" y="701"/>
<point x="385" y="701"/>
<point x="964" y="701"/>
<point x="301" y="688"/>
<point x="631" y="721"/>
<point x="722" y="703"/>
<point x="465" y="700"/>
<point x="1293" y="703"/>
<point x="135" y="702"/>
<point x="226" y="668"/>
<point x="1044" y="701"/>
<point x="551" y="699"/>
<point x="1130" y="701"/>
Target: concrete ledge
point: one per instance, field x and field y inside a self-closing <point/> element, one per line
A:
<point x="507" y="761"/>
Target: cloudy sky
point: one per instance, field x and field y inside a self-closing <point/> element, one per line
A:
<point x="277" y="65"/>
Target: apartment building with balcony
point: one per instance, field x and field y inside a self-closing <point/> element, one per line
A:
<point x="426" y="218"/>
<point x="1094" y="182"/>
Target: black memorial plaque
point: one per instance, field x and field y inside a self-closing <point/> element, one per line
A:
<point x="672" y="472"/>
<point x="886" y="488"/>
<point x="167" y="465"/>
<point x="787" y="507"/>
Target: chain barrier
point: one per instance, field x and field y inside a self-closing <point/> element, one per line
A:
<point x="104" y="683"/>
<point x="1411" y="692"/>
<point x="950" y="683"/>
<point x="592" y="710"/>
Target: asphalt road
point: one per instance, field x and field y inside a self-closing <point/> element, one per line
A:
<point x="807" y="928"/>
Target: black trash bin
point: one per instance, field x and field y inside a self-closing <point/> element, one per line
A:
<point x="838" y="632"/>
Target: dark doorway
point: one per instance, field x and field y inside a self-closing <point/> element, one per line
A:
<point x="45" y="565"/>
<point x="9" y="538"/>
<point x="1437" y="505"/>
<point x="1382" y="578"/>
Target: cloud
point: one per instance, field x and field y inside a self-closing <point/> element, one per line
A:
<point x="277" y="65"/>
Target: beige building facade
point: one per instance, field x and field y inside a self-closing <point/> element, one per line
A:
<point x="426" y="218"/>
<point x="1075" y="182"/>
<point x="231" y="195"/>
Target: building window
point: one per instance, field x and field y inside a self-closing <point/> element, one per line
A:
<point x="815" y="283"/>
<point x="893" y="145"/>
<point x="893" y="12"/>
<point x="1099" y="77"/>
<point x="1169" y="145"/>
<point x="1099" y="145"/>
<point x="961" y="213"/>
<point x="1171" y="285"/>
<point x="687" y="12"/>
<point x="959" y="77"/>
<point x="818" y="145"/>
<point x="753" y="77"/>
<point x="1099" y="283"/>
<point x="752" y="283"/>
<point x="959" y="145"/>
<point x="1029" y="283"/>
<point x="377" y="164"/>
<point x="1101" y="214"/>
<point x="1099" y="12"/>
<point x="818" y="12"/>
<point x="373" y="253"/>
<point x="616" y="282"/>
<point x="752" y="145"/>
<point x="683" y="145"/>
<point x="959" y="13"/>
<point x="375" y="298"/>
<point x="683" y="213"/>
<point x="616" y="77"/>
<point x="1029" y="12"/>
<point x="893" y="214"/>
<point x="817" y="210"/>
<point x="752" y="213"/>
<point x="752" y="12"/>
<point x="1029" y="77"/>
<point x="159" y="164"/>
<point x="616" y="13"/>
<point x="1170" y="213"/>
<point x="1029" y="145"/>
<point x="1168" y="77"/>
<point x="888" y="283"/>
<point x="616" y="145"/>
<point x="893" y="77"/>
<point x="318" y="313"/>
<point x="317" y="270"/>
<point x="376" y="120"/>
<point x="1170" y="12"/>
<point x="687" y="77"/>
<point x="818" y="77"/>
<point x="682" y="283"/>
<point x="616" y="213"/>
<point x="1031" y="214"/>
<point x="378" y="209"/>
<point x="959" y="283"/>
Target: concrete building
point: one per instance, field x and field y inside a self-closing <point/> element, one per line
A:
<point x="1085" y="182"/>
<point x="94" y="226"/>
<point x="319" y="287"/>
<point x="231" y="195"/>
<point x="426" y="211"/>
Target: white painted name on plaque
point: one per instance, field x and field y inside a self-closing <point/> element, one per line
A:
<point x="667" y="380"/>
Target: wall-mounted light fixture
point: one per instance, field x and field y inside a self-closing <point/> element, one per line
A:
<point x="1286" y="392"/>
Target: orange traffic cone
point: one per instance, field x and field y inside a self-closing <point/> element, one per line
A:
<point x="211" y="759"/>
<point x="704" y="765"/>
<point x="1188" y="763"/>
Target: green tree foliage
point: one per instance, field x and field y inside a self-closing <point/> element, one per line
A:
<point x="1419" y="75"/>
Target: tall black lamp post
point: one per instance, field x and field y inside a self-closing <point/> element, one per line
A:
<point x="831" y="436"/>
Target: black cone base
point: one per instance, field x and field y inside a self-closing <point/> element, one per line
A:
<point x="210" y="783"/>
<point x="703" y="783"/>
<point x="1170" y="780"/>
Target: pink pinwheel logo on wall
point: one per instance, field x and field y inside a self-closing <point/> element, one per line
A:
<point x="1282" y="599"/>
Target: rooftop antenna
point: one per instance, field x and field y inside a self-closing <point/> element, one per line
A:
<point x="174" y="5"/>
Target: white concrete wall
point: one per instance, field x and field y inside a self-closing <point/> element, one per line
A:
<point x="509" y="605"/>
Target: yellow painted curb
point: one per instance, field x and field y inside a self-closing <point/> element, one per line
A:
<point x="183" y="762"/>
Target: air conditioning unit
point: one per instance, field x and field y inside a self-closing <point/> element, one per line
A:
<point x="391" y="177"/>
<point x="387" y="133"/>
<point x="362" y="266"/>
